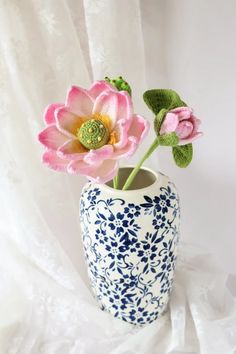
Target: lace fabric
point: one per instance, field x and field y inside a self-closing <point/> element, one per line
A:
<point x="46" y="306"/>
<point x="55" y="313"/>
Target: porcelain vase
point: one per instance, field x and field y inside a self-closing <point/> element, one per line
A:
<point x="130" y="241"/>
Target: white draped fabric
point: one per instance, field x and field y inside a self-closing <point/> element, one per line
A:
<point x="45" y="303"/>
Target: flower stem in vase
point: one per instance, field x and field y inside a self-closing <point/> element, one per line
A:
<point x="135" y="171"/>
<point x="116" y="181"/>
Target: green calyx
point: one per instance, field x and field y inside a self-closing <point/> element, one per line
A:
<point x="158" y="120"/>
<point x="170" y="139"/>
<point x="93" y="134"/>
<point x="120" y="84"/>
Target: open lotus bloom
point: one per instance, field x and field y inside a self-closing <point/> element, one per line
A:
<point x="181" y="121"/>
<point x="90" y="132"/>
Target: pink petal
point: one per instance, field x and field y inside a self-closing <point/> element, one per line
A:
<point x="136" y="133"/>
<point x="128" y="150"/>
<point x="107" y="104"/>
<point x="182" y="112"/>
<point x="125" y="106"/>
<point x="170" y="123"/>
<point x="184" y="129"/>
<point x="115" y="105"/>
<point x="190" y="139"/>
<point x="95" y="156"/>
<point x="101" y="173"/>
<point x="49" y="116"/>
<point x="67" y="122"/>
<point x="79" y="102"/>
<point x="105" y="172"/>
<point x="81" y="167"/>
<point x="51" y="159"/>
<point x="196" y="124"/>
<point x="121" y="129"/>
<point x="139" y="127"/>
<point x="98" y="87"/>
<point x="51" y="137"/>
<point x="72" y="150"/>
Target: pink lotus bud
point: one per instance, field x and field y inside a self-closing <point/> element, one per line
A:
<point x="182" y="122"/>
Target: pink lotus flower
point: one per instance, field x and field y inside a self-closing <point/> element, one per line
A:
<point x="181" y="121"/>
<point x="90" y="132"/>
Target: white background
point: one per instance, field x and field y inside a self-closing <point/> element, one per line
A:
<point x="195" y="50"/>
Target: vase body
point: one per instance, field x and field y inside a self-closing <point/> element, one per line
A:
<point x="130" y="242"/>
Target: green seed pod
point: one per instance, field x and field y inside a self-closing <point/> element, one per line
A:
<point x="120" y="84"/>
<point x="93" y="134"/>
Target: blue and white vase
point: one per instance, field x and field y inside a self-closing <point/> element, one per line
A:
<point x="130" y="241"/>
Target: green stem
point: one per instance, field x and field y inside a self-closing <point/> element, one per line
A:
<point x="135" y="171"/>
<point x="116" y="181"/>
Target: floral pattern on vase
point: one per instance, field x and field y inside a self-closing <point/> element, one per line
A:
<point x="130" y="241"/>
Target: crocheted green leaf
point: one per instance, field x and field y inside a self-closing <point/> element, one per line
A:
<point x="170" y="139"/>
<point x="158" y="99"/>
<point x="183" y="155"/>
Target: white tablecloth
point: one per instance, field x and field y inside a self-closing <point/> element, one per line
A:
<point x="43" y="313"/>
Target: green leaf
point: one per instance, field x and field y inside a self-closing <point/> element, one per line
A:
<point x="157" y="99"/>
<point x="183" y="155"/>
<point x="170" y="139"/>
<point x="159" y="119"/>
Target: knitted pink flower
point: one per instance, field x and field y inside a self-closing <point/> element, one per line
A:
<point x="181" y="121"/>
<point x="91" y="131"/>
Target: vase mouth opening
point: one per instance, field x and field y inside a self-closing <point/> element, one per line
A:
<point x="144" y="179"/>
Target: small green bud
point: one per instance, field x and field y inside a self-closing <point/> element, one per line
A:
<point x="120" y="84"/>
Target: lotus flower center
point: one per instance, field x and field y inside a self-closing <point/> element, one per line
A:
<point x="93" y="134"/>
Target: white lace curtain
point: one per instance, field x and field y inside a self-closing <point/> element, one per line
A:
<point x="45" y="304"/>
<point x="46" y="47"/>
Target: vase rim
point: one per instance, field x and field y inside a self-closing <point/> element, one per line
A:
<point x="109" y="189"/>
